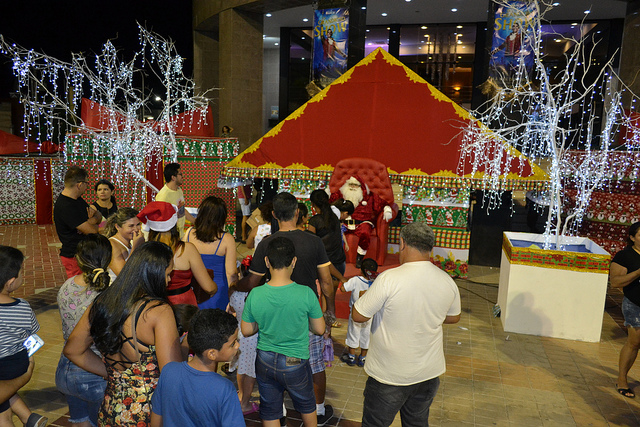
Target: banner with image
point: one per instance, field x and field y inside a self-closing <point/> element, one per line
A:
<point x="512" y="44"/>
<point x="330" y="44"/>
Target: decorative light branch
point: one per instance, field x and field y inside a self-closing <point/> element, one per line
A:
<point x="545" y="118"/>
<point x="51" y="91"/>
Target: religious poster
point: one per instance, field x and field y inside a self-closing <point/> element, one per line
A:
<point x="330" y="44"/>
<point x="512" y="45"/>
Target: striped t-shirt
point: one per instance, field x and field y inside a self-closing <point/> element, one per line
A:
<point x="17" y="323"/>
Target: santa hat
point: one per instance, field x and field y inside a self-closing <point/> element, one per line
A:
<point x="158" y="216"/>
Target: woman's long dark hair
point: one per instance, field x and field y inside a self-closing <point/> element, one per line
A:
<point x="320" y="199"/>
<point x="212" y="214"/>
<point x="93" y="256"/>
<point x="142" y="278"/>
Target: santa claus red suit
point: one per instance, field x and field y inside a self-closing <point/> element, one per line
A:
<point x="368" y="206"/>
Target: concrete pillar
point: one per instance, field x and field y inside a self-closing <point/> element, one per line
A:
<point x="629" y="57"/>
<point x="240" y="71"/>
<point x="205" y="70"/>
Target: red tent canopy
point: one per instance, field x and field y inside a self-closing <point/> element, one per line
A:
<point x="12" y="144"/>
<point x="378" y="109"/>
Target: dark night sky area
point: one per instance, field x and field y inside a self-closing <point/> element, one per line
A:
<point x="59" y="28"/>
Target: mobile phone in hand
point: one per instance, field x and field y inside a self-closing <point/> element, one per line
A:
<point x="33" y="344"/>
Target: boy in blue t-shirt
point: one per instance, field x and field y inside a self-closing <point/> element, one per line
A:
<point x="192" y="393"/>
<point x="284" y="312"/>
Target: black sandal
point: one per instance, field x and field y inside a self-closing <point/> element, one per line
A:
<point x="626" y="392"/>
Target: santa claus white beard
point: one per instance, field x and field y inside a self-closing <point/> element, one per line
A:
<point x="354" y="195"/>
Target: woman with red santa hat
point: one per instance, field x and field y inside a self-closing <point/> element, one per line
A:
<point x="160" y="219"/>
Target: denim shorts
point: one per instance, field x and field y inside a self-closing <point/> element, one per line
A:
<point x="84" y="391"/>
<point x="631" y="313"/>
<point x="274" y="377"/>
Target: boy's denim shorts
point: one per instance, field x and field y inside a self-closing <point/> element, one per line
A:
<point x="631" y="313"/>
<point x="84" y="391"/>
<point x="274" y="377"/>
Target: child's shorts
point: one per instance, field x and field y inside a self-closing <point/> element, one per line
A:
<point x="358" y="334"/>
<point x="12" y="367"/>
<point x="275" y="375"/>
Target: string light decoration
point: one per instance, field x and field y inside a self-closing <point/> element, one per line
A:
<point x="51" y="92"/>
<point x="549" y="116"/>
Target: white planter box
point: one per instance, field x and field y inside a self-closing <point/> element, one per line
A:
<point x="552" y="293"/>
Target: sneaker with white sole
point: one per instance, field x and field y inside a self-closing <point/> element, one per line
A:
<point x="328" y="414"/>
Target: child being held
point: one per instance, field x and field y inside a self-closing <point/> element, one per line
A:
<point x="358" y="333"/>
<point x="192" y="393"/>
<point x="284" y="312"/>
<point x="17" y="323"/>
<point x="345" y="209"/>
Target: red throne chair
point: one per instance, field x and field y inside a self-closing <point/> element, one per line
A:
<point x="376" y="177"/>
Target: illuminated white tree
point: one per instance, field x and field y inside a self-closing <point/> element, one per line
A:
<point x="547" y="114"/>
<point x="51" y="91"/>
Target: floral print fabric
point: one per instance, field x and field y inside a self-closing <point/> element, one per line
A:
<point x="127" y="399"/>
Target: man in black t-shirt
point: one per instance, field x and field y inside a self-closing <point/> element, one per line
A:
<point x="312" y="264"/>
<point x="74" y="218"/>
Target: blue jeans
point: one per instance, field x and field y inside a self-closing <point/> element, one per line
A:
<point x="84" y="391"/>
<point x="382" y="402"/>
<point x="274" y="376"/>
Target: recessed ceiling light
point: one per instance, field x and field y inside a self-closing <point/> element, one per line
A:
<point x="454" y="10"/>
<point x="586" y="12"/>
<point x="302" y="38"/>
<point x="384" y="14"/>
<point x="424" y="27"/>
<point x="557" y="40"/>
<point x="277" y="44"/>
<point x="556" y="4"/>
<point x="268" y="15"/>
<point x="388" y="28"/>
<point x="459" y="26"/>
<point x="364" y="8"/>
<point x="305" y="20"/>
<point x="426" y="35"/>
<point x="459" y="57"/>
<point x="369" y="44"/>
<point x="574" y="23"/>
<point x="368" y="31"/>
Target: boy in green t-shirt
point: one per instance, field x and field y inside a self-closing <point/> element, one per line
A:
<point x="284" y="312"/>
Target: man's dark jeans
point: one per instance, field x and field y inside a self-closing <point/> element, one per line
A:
<point x="382" y="402"/>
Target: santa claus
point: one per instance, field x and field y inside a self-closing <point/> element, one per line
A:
<point x="368" y="206"/>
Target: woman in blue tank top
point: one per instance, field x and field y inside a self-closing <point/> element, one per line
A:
<point x="217" y="248"/>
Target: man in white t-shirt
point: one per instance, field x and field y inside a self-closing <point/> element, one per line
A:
<point x="406" y="355"/>
<point x="172" y="193"/>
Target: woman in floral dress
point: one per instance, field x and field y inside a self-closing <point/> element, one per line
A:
<point x="132" y="325"/>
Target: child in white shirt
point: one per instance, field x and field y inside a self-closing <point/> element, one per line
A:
<point x="358" y="333"/>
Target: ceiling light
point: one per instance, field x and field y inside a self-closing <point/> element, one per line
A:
<point x="557" y="40"/>
<point x="388" y="28"/>
<point x="459" y="57"/>
<point x="384" y="14"/>
<point x="303" y="59"/>
<point x="556" y="4"/>
<point x="459" y="42"/>
<point x="364" y="8"/>
<point x="424" y="27"/>
<point x="586" y="12"/>
<point x="158" y="98"/>
<point x="369" y="44"/>
<point x="277" y="44"/>
<point x="574" y="23"/>
<point x="459" y="26"/>
<point x="454" y="10"/>
<point x="456" y="88"/>
<point x="305" y="20"/>
<point x="368" y="31"/>
<point x="426" y="35"/>
<point x="268" y="15"/>
<point x="302" y="38"/>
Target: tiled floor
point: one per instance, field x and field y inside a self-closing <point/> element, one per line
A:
<point x="492" y="378"/>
